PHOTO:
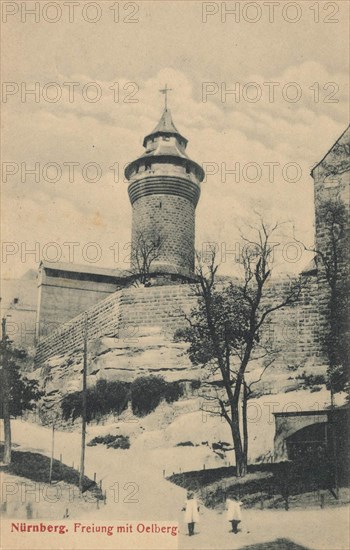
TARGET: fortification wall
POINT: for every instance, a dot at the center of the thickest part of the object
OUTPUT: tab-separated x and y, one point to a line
293	330
161	306
122	314
102	319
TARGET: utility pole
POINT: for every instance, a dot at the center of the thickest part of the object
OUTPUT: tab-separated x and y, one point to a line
83	414
334	458
52	450
6	396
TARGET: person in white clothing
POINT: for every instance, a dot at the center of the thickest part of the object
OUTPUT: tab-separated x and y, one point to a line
191	512
234	514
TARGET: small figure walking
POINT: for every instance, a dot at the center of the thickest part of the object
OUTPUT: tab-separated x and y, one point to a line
191	512
234	515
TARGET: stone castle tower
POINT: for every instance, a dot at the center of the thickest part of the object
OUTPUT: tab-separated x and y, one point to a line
332	237
332	185
164	190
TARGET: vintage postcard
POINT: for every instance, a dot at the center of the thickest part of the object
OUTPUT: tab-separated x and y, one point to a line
175	275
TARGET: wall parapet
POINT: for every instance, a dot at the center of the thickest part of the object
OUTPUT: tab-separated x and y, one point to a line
102	318
126	312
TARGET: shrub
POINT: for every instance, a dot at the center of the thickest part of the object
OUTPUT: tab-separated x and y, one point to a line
71	406
120	442
311	380
173	391
146	394
104	398
148	391
195	384
112	396
106	439
222	446
112	441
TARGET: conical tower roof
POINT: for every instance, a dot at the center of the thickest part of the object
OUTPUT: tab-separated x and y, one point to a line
166	123
165	150
165	127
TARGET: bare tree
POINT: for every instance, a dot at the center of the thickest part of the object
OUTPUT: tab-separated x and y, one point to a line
146	250
226	329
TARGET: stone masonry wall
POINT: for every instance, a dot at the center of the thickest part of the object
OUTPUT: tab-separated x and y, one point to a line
122	314
102	319
126	312
331	185
295	330
155	306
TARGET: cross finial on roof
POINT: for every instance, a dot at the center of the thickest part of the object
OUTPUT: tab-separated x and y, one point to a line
165	91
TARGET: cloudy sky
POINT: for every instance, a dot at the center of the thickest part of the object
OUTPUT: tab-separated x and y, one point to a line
271	133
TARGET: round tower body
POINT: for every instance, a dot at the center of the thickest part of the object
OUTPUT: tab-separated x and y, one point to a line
164	188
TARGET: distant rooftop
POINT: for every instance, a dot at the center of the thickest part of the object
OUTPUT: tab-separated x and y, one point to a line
311	267
344	409
86	269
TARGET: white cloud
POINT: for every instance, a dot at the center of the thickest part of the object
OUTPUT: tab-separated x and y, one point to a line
109	132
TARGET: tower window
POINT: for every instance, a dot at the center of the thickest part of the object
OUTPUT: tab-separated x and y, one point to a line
331	181
15	300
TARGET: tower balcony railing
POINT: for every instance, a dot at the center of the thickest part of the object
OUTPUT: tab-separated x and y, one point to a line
158	169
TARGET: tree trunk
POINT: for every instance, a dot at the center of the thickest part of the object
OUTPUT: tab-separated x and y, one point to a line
245	423
6	399
241	466
7	436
